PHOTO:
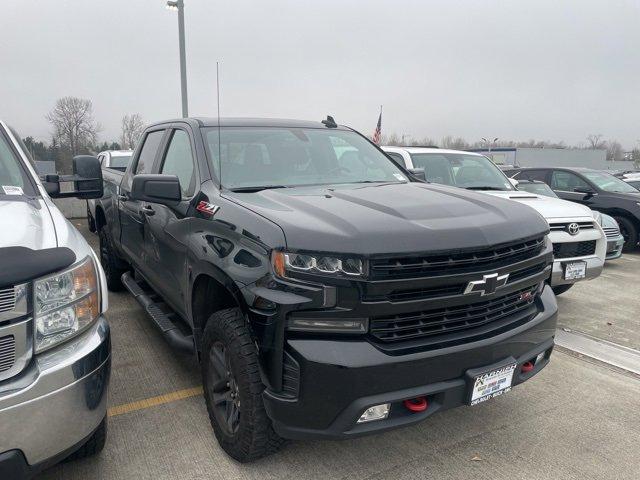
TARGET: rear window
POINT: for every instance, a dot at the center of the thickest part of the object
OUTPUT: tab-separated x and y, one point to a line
120	162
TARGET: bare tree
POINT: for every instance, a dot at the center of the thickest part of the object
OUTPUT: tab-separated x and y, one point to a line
595	141
74	127
457	143
132	127
614	151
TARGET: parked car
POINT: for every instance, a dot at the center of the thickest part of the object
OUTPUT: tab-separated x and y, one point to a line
598	190
578	242
110	160
615	240
326	292
55	350
634	182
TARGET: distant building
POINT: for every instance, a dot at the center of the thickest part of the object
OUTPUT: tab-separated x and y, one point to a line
553	157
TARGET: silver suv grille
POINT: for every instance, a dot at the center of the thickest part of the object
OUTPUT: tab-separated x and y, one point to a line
611	232
7	352
564	226
7	299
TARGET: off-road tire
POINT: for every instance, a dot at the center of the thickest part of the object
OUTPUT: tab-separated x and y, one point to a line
560	289
93	445
630	232
111	264
254	437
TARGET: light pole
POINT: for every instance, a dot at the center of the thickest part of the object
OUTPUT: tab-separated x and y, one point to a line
489	144
179	6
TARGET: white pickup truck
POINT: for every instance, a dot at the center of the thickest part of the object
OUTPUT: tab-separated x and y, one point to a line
55	348
579	243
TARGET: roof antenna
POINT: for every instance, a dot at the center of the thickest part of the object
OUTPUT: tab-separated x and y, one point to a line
219	144
330	122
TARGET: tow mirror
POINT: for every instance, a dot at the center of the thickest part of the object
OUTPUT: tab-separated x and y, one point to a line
153	188
86	178
418	173
514	182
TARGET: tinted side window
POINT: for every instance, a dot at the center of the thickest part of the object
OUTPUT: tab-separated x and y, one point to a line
179	161
566	181
533	175
148	152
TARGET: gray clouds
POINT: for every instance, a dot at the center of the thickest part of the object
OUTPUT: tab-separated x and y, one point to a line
512	69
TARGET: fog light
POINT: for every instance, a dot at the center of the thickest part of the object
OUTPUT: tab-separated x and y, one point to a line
377	412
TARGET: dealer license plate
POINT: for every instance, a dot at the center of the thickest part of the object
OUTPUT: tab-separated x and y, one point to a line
492	384
575	270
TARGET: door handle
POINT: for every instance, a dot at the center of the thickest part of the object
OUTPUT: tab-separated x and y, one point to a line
148	210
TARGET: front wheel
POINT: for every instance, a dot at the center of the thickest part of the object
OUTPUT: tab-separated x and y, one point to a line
233	388
630	233
110	262
560	289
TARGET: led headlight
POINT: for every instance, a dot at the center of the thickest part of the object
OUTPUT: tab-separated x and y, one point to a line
285	262
65	304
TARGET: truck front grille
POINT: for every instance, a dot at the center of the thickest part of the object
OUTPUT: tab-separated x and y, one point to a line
7	352
437	323
7	299
574	249
453	262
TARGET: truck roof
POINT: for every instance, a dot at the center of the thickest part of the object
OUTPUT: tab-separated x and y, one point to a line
253	122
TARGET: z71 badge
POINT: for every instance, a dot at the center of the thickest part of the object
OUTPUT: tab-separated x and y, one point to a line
207	208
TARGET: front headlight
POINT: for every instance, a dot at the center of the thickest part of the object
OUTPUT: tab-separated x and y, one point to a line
285	262
65	304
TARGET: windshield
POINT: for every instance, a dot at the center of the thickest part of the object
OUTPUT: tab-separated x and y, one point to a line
119	161
537	188
609	183
474	172
13	178
254	157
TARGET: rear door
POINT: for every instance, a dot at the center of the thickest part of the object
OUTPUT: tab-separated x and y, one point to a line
167	228
132	218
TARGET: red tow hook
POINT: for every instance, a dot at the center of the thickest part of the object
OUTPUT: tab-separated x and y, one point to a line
526	367
416	404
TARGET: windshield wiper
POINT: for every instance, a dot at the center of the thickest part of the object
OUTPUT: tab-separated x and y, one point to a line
256	188
486	187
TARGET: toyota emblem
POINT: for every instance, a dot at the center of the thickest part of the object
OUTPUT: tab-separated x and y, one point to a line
573	228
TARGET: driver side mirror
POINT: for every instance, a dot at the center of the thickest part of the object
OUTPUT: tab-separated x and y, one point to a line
418	173
155	188
585	190
514	182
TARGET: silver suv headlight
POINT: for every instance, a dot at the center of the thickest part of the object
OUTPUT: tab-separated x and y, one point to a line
65	304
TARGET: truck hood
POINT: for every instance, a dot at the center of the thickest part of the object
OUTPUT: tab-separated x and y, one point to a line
391	218
26	223
548	207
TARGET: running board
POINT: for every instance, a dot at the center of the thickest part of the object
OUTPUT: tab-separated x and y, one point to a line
172	334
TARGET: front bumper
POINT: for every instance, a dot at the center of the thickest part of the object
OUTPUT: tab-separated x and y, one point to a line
594	269
614	247
56	403
339	379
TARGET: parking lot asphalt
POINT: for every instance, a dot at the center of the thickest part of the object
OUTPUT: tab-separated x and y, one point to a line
607	307
574	420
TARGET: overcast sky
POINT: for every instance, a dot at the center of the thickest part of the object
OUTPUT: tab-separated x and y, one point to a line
514	69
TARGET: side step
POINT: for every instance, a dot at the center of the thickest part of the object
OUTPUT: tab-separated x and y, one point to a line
172	334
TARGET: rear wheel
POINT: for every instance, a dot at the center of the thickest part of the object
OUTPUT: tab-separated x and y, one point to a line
110	262
630	233
560	289
233	388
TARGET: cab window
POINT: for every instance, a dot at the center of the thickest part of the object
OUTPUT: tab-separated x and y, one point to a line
148	153
566	181
179	162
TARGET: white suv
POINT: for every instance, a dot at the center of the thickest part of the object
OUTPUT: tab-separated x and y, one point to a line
579	244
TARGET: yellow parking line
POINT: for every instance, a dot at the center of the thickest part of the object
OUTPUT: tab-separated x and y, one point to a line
154	401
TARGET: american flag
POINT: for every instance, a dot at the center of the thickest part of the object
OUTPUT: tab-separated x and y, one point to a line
378	132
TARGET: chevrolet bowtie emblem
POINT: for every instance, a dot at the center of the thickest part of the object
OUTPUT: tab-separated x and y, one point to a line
488	285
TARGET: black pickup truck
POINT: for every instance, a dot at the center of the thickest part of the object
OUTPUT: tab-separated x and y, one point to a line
326	291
